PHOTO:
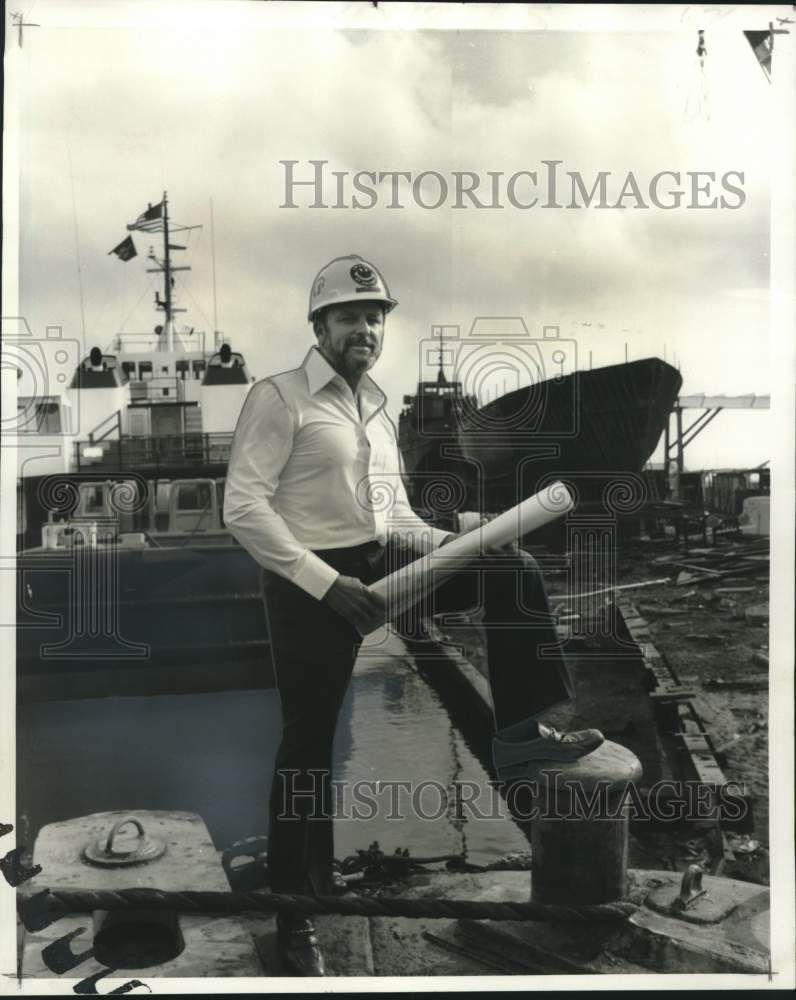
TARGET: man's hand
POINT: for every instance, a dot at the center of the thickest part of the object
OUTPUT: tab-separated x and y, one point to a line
350	598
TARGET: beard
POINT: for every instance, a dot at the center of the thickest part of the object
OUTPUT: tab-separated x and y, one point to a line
347	359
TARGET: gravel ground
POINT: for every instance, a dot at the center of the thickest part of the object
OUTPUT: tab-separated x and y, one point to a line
718	653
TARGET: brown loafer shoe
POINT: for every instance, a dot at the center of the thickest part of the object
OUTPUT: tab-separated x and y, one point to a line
299	950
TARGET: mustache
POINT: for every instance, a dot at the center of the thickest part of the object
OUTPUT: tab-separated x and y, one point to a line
361	342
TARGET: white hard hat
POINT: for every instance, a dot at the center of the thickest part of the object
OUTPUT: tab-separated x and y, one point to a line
348	279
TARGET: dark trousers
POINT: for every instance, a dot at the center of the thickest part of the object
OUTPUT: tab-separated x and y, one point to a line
314	650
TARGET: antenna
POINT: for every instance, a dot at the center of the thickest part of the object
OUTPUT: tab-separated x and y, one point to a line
441	380
213	254
77	245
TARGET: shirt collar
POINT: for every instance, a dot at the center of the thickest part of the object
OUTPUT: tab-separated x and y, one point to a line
320	373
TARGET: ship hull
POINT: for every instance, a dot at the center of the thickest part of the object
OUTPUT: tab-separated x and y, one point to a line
595	430
171	620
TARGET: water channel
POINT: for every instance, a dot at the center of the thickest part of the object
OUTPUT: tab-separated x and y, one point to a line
213	754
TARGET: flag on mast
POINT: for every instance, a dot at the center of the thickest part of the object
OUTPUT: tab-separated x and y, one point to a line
125	250
149	221
762	43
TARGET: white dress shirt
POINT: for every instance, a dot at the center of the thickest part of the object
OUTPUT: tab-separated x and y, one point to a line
308	472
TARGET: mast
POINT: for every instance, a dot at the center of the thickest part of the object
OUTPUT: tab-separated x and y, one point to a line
441	380
167	270
160	223
213	248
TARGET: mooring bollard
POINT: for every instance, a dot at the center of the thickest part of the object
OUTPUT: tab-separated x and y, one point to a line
579	840
115	851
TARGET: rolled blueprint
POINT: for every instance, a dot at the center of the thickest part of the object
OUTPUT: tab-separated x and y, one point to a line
408	585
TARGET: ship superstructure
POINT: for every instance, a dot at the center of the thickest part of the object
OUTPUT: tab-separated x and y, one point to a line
161	404
127	581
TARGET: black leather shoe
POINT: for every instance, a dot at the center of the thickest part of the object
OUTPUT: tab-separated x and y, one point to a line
299	950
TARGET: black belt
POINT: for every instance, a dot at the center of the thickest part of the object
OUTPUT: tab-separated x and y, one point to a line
353	551
356	560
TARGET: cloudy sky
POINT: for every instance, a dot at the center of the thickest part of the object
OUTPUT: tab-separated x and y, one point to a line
119	102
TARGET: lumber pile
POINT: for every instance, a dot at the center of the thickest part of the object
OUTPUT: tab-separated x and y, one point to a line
715	564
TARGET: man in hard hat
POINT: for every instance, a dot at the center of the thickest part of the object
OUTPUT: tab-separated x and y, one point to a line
313	456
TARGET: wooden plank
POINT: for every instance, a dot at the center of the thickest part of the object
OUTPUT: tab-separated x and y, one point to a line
703	759
672	693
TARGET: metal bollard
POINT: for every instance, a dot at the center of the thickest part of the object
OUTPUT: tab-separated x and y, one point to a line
578	850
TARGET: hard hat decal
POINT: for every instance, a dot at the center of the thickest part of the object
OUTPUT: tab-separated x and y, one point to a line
363	275
348	279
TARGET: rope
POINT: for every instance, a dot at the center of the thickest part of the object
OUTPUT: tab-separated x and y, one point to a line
86	900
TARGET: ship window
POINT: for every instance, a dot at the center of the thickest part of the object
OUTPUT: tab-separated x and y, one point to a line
128	367
193	496
182	368
198	369
145	369
48	418
94	499
754	479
